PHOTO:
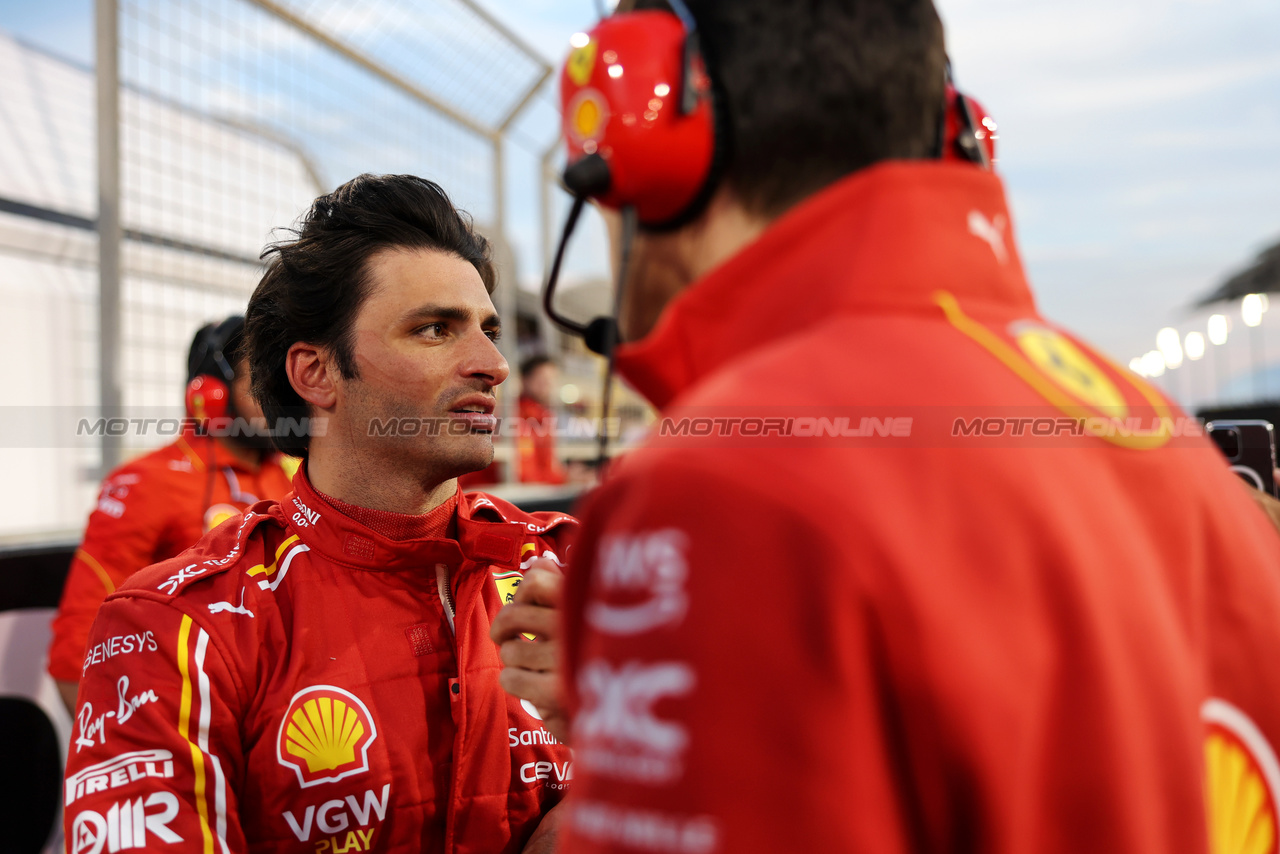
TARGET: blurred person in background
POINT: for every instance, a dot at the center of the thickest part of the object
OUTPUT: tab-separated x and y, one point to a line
880	644
322	677
158	505
537	440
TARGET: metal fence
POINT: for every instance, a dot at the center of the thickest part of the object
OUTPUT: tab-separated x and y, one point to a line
229	116
206	126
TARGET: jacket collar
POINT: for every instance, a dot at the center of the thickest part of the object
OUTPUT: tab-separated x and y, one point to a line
886	238
201	450
490	531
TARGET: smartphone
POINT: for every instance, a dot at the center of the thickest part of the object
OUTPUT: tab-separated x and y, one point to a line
1250	449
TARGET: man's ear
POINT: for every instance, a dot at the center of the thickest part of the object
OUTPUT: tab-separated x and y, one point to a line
308	368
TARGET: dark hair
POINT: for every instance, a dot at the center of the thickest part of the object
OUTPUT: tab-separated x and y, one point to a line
216	349
532	364
315	283
813	90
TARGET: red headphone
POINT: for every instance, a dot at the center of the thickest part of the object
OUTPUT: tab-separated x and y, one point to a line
968	132
639	121
637	114
209	373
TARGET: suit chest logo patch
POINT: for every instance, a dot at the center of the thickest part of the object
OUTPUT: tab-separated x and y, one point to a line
325	735
1242	780
507	582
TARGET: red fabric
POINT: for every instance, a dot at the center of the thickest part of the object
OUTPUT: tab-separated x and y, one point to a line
917	643
149	510
232	640
401	526
537	442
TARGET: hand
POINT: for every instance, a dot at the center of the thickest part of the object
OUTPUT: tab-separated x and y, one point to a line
543	840
530	669
1269	505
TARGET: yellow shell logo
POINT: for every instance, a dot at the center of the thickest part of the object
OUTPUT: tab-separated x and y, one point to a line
1065	364
581	62
586	116
1241	782
325	735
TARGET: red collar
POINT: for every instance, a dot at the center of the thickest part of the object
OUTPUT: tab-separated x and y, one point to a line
489	530
887	237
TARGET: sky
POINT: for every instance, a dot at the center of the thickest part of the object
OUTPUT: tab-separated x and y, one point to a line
1139	140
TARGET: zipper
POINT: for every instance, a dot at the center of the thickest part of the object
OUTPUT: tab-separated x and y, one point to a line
446	595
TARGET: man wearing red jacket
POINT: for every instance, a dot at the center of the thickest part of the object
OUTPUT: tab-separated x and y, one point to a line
317	676
537	441
904	567
154	507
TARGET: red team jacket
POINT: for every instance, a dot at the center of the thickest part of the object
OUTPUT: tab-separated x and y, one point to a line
301	682
936	590
537	444
149	510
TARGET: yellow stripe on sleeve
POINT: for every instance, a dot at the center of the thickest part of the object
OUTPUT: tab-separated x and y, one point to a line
184	729
93	564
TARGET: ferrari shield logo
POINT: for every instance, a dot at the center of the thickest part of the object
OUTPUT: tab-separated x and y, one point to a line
507	583
1068	366
582	61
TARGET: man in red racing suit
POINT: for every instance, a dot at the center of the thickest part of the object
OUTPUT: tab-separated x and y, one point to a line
267	690
317	677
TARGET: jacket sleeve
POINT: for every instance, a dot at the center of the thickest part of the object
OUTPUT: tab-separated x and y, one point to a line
721	674
155	739
121	538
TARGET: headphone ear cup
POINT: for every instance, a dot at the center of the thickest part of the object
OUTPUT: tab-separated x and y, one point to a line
207	397
623	95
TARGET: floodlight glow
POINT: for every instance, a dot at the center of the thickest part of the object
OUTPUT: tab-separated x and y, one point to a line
615	71
1135	365
1169	343
579	40
569	393
1194	345
1153	364
1218	328
1251	309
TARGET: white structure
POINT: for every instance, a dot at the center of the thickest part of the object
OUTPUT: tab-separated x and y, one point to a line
195	221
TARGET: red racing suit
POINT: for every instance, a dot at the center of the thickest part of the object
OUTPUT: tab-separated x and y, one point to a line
149	510
303	681
905	567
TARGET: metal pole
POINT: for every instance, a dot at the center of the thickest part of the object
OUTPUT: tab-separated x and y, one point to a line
110	392
367	63
508	309
546	181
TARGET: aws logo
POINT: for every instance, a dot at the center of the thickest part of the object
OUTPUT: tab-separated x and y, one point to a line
325	735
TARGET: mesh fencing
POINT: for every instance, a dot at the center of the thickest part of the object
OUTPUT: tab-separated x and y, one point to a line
234	115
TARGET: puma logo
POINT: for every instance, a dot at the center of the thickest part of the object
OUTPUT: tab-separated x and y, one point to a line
219	607
990	230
